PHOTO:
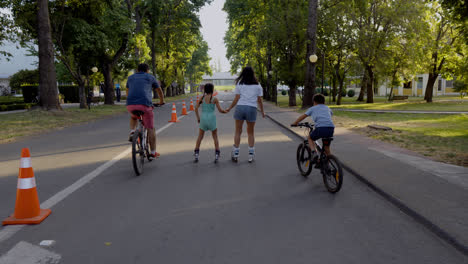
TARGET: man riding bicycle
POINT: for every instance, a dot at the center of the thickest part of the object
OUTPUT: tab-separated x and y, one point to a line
139	98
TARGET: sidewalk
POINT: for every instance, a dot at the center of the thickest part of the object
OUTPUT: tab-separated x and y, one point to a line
434	193
400	111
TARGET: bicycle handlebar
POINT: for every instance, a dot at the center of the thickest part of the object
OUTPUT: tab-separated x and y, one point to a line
306	124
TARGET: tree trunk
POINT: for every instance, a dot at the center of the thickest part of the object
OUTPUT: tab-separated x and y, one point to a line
47	77
370	84
363	87
311	36
391	86
340	91
82	94
430	87
292	94
108	87
267	96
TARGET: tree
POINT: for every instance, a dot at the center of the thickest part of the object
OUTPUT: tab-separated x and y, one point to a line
309	86
442	42
460	87
6	28
47	77
198	64
376	23
22	77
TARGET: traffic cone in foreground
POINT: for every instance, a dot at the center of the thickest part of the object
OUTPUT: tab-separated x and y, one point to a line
197	99
191	105
174	114
184	109
27	209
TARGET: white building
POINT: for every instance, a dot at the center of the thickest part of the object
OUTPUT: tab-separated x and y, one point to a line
5	88
416	87
220	79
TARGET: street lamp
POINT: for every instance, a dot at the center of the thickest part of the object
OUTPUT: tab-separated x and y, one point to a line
94	69
313	58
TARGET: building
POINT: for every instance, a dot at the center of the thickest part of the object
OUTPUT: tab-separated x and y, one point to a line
415	87
5	88
220	79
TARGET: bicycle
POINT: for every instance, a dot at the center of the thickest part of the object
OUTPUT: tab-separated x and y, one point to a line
140	143
329	165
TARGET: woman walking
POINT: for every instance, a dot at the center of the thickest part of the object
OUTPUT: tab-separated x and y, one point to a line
248	96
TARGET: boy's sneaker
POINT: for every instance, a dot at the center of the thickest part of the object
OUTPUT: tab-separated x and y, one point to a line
153	156
196	154
217	153
251	154
235	154
130	136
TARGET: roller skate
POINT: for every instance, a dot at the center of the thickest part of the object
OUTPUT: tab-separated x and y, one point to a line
196	154
251	154
235	154
217	153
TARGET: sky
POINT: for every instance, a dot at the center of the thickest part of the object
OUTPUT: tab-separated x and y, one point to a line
214	27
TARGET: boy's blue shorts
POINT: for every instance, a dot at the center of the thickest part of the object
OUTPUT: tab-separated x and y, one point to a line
322	132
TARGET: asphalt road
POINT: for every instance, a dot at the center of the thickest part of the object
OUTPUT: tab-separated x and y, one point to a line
182	212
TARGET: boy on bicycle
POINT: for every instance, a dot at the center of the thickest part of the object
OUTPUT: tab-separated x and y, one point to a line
322	116
140	85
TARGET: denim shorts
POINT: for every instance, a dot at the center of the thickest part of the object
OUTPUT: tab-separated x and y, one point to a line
322	132
245	112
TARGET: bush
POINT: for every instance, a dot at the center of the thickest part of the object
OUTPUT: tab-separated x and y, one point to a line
351	93
283	92
71	93
23	76
343	93
30	92
12	107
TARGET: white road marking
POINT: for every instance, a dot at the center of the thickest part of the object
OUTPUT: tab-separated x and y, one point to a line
26	253
9	231
47	243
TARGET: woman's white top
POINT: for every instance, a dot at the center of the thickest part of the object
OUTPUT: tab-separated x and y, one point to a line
249	94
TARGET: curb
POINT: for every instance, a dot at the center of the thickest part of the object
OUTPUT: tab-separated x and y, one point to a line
442	234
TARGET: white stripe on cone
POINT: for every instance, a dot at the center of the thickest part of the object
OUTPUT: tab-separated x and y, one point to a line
26	183
25	163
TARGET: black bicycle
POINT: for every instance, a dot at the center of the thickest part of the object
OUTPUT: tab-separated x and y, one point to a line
140	143
329	165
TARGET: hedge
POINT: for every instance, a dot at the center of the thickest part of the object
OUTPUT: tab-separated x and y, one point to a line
70	92
12	107
351	93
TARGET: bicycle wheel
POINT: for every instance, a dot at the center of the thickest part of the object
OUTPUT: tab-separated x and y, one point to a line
332	174
304	157
138	155
147	150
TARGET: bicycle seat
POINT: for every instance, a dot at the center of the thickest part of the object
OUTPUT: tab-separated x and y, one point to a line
327	141
138	113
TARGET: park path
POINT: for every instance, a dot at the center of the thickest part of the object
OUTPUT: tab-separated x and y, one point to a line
182	212
401	111
434	193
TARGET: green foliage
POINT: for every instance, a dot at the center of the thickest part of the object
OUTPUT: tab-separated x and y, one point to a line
460	87
22	77
70	93
351	93
12	107
29	92
283	92
199	63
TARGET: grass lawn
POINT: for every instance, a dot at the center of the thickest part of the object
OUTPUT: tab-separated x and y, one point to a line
32	122
439	137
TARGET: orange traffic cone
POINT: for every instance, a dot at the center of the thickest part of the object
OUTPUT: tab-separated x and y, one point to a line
174	114
191	105
27	209
184	109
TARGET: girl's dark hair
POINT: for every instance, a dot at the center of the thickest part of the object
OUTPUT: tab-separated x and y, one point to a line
247	76
209	88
